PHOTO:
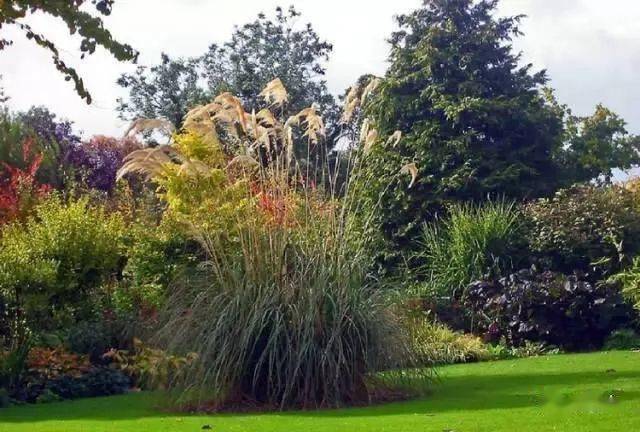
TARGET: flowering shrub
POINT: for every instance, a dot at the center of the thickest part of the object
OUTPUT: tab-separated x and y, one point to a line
51	138
48	129
97	161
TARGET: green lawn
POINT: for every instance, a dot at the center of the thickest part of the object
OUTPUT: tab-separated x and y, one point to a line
559	393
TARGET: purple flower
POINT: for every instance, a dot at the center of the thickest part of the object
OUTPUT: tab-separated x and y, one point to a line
97	161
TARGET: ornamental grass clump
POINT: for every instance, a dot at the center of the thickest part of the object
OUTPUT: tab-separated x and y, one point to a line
283	312
472	241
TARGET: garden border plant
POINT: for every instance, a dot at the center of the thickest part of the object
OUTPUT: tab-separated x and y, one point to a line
284	312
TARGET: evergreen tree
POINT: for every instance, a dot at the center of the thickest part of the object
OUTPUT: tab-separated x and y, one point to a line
474	120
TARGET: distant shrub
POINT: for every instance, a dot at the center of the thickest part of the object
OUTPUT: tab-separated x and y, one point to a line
55	374
20	191
99	381
590	228
436	344
95	338
565	311
625	339
96	162
49	137
501	351
13	366
471	241
150	368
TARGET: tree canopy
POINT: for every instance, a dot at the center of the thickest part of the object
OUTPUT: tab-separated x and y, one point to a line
256	53
90	28
475	120
167	90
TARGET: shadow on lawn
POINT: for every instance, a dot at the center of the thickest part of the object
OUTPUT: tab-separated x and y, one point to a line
458	393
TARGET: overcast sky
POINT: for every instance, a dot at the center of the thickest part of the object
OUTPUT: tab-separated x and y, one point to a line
591	49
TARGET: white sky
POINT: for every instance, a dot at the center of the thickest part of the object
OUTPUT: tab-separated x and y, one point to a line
591	49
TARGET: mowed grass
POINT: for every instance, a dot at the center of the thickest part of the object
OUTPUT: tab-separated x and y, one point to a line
587	392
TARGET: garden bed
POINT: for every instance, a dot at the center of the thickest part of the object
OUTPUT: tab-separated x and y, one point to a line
586	392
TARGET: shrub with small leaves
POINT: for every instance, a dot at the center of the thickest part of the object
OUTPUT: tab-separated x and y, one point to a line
630	281
53	265
55	374
155	258
148	367
594	229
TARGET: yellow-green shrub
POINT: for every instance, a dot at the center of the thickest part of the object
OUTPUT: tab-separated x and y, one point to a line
436	344
52	265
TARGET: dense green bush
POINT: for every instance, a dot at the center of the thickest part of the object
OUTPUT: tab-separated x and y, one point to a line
473	121
52	266
100	381
95	338
625	339
560	310
472	241
590	228
155	258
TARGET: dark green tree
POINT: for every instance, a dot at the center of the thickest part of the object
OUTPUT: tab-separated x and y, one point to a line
269	48
474	120
167	90
255	54
89	27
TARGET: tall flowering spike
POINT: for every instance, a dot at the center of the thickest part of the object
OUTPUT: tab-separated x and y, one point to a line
351	103
370	88
395	138
275	93
370	140
148	125
232	113
412	170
